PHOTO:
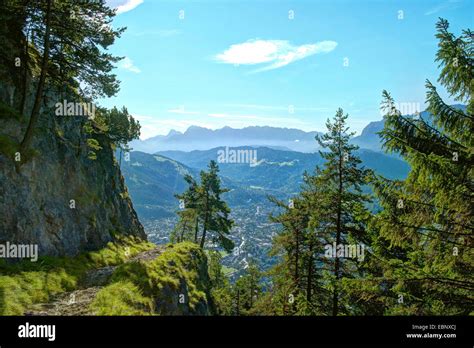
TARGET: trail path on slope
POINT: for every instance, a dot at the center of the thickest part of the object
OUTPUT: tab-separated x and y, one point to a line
77	302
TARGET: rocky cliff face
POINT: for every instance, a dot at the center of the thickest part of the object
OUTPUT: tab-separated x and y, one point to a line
59	199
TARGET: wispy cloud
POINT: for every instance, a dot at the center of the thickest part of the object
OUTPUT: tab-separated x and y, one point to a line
275	53
182	111
450	4
254	118
123	6
280	107
127	64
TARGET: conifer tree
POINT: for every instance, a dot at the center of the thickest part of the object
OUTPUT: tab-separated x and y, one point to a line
211	212
424	249
342	215
330	210
247	290
221	287
70	39
185	228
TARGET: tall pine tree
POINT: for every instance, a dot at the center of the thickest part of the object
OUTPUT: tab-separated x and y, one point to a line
422	258
330	212
203	201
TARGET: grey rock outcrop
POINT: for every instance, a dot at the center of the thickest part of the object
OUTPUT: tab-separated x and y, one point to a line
59	199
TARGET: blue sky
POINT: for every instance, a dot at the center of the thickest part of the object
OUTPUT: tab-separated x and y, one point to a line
238	63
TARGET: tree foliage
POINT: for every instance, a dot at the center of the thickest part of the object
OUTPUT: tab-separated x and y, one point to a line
210	212
426	223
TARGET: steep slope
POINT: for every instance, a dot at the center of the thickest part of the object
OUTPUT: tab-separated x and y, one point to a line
369	138
56	196
153	180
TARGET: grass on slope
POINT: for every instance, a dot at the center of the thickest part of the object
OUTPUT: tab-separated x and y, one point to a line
150	288
25	283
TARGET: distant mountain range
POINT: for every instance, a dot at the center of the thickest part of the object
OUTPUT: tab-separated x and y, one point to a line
281	170
153	179
199	138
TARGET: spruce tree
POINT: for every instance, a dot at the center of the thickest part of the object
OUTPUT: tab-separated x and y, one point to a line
342	216
212	214
247	290
289	245
330	210
424	248
186	226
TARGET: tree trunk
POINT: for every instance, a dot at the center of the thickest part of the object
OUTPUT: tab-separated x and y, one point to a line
39	92
206	217
196	230
204	230
310	273
297	258
335	299
25	76
182	231
238	302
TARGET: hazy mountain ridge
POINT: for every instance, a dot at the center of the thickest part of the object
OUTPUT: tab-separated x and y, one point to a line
282	170
199	138
153	180
290	139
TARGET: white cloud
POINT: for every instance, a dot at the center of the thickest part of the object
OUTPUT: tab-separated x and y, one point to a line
127	64
277	53
281	108
236	118
450	4
182	111
123	5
